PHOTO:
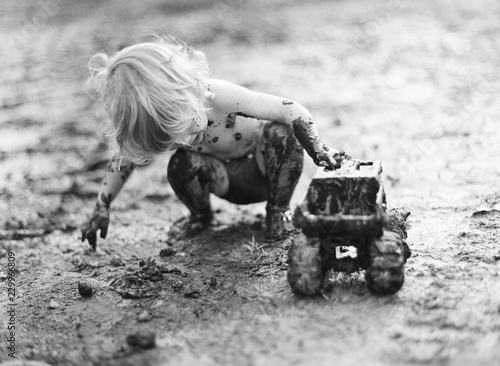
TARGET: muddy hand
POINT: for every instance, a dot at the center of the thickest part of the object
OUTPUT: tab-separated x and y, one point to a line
330	159
98	221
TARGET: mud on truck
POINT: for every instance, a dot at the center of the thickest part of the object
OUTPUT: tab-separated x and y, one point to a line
345	210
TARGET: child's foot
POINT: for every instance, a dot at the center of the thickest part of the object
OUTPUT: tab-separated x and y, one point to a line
277	223
198	223
188	227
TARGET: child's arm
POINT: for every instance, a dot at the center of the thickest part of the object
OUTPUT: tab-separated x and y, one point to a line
232	98
116	176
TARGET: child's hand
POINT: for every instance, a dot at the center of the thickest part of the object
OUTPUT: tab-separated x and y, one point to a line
98	221
329	158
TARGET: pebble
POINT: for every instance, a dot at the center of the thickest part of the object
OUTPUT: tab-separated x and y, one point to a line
116	262
192	291
167	252
145	317
142	339
211	282
84	289
53	305
177	285
198	310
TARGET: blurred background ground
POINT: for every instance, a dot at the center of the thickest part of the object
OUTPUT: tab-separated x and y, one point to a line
412	83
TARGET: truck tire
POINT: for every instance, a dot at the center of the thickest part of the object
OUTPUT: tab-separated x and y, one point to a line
305	274
385	274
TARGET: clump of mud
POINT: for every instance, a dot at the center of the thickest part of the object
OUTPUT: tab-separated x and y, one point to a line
142	282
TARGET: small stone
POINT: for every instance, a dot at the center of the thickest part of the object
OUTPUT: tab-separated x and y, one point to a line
197	310
84	289
142	339
177	285
192	291
53	305
145	317
167	252
116	262
211	282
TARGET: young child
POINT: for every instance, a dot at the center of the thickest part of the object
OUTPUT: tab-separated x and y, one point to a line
240	145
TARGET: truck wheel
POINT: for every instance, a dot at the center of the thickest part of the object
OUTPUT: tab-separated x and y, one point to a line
385	274
305	274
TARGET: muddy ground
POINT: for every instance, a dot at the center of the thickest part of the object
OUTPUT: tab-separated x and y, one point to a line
412	83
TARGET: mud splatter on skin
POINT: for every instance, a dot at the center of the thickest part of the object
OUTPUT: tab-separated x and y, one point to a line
287	102
98	221
284	162
106	199
190	179
308	135
183	172
127	171
100	217
231	118
210	123
116	164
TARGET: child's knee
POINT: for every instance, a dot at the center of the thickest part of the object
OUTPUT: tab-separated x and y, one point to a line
188	171
280	134
276	129
181	166
281	139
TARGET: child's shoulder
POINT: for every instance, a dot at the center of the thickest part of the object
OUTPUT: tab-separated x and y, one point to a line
226	94
218	86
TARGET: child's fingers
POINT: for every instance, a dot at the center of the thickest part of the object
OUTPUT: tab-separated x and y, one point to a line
104	231
85	229
338	155
92	238
327	160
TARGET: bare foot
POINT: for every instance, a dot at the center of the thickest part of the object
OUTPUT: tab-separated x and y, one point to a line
198	223
188	227
278	223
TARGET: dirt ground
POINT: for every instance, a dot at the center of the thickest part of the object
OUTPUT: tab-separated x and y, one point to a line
412	83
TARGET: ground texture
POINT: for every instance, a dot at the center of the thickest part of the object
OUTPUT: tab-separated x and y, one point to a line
412	83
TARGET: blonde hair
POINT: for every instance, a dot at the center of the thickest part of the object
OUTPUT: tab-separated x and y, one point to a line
152	91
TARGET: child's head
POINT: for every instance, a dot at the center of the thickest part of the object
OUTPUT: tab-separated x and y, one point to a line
153	92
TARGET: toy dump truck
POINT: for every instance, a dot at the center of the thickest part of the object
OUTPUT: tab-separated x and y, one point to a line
344	210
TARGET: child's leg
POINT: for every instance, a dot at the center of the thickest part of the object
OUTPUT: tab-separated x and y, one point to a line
193	177
283	161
